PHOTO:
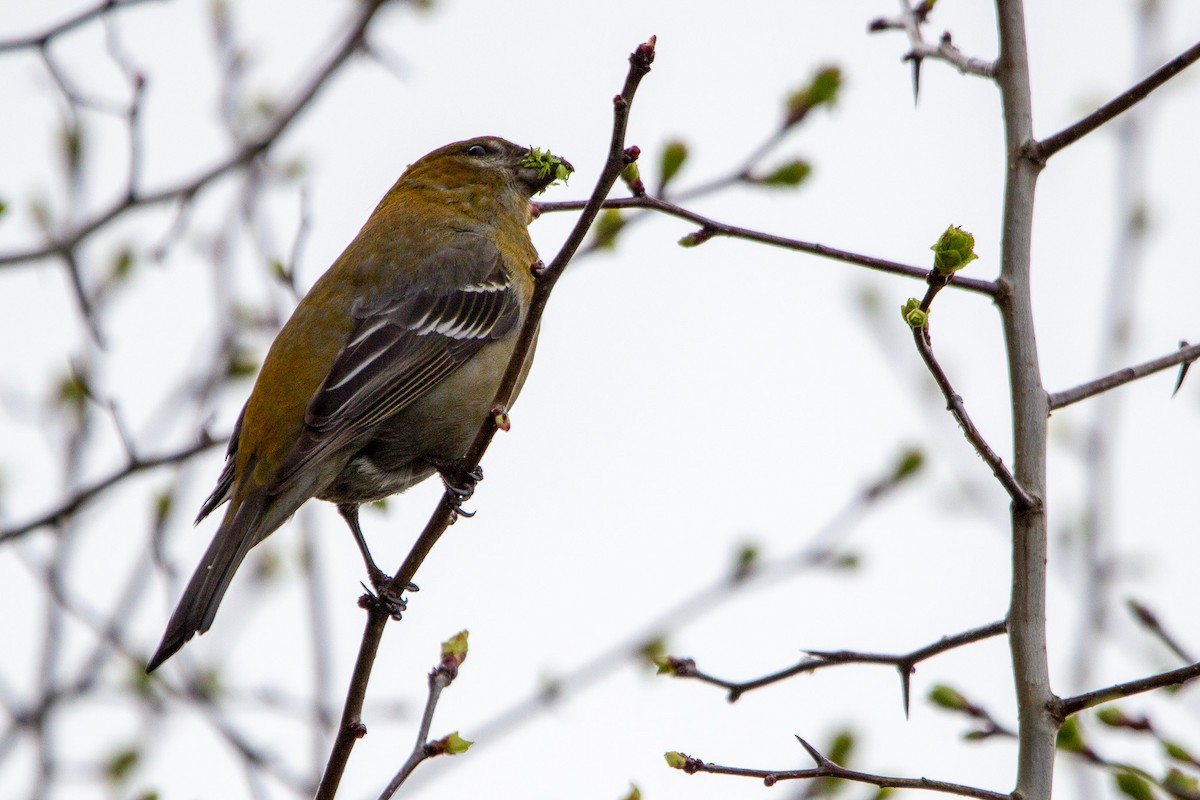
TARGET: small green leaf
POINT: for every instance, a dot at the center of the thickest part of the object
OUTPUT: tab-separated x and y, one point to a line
546	163
1178	753
840	747
634	793
746	560
673	157
1179	784
821	90
954	249
1133	785
792	173
1070	737
118	767
910	462
1112	716
122	264
606	228
948	698
675	759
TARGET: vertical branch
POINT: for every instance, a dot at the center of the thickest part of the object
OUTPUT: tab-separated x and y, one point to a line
1027	612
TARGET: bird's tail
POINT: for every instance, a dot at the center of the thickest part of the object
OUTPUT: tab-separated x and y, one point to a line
245	525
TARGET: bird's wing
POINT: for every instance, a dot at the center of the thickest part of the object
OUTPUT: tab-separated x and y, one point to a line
403	345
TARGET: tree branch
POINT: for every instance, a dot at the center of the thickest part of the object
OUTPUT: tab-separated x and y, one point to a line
1042	150
827	769
906	663
86	494
1184	355
446	511
1065	707
710	227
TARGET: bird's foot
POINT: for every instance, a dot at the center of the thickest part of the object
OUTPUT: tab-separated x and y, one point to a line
460	482
387	596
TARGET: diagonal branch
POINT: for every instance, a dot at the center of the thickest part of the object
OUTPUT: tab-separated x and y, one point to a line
186	190
1067	706
710	227
1184	355
352	728
87	493
954	402
40	40
1042	150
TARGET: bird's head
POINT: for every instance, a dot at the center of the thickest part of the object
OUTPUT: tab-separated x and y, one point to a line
490	161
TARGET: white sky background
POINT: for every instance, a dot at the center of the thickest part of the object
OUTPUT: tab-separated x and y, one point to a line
682	401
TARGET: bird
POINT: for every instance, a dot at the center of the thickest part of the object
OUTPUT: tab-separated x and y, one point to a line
388	366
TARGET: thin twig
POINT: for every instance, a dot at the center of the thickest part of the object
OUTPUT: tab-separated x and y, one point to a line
439	679
1150	621
87	493
954	403
352	727
243	155
906	663
40	40
1067	706
828	769
710	227
1122	376
1042	150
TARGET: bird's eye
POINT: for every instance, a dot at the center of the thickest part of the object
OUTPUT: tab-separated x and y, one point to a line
477	150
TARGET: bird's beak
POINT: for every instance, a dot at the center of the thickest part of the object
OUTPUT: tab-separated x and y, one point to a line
545	172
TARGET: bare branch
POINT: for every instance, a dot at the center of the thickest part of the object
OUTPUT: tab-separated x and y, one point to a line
81	497
1184	355
1041	151
82	18
1067	706
827	769
351	42
906	663
710	227
954	403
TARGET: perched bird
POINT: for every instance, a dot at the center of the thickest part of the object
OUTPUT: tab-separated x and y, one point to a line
388	366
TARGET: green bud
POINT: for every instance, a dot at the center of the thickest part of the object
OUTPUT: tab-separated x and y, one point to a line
455	648
653	649
913	315
953	250
634	793
675	759
455	744
632	176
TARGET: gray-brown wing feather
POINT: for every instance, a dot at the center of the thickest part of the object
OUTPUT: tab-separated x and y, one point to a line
399	348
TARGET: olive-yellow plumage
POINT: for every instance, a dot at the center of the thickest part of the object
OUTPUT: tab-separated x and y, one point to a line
388	366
